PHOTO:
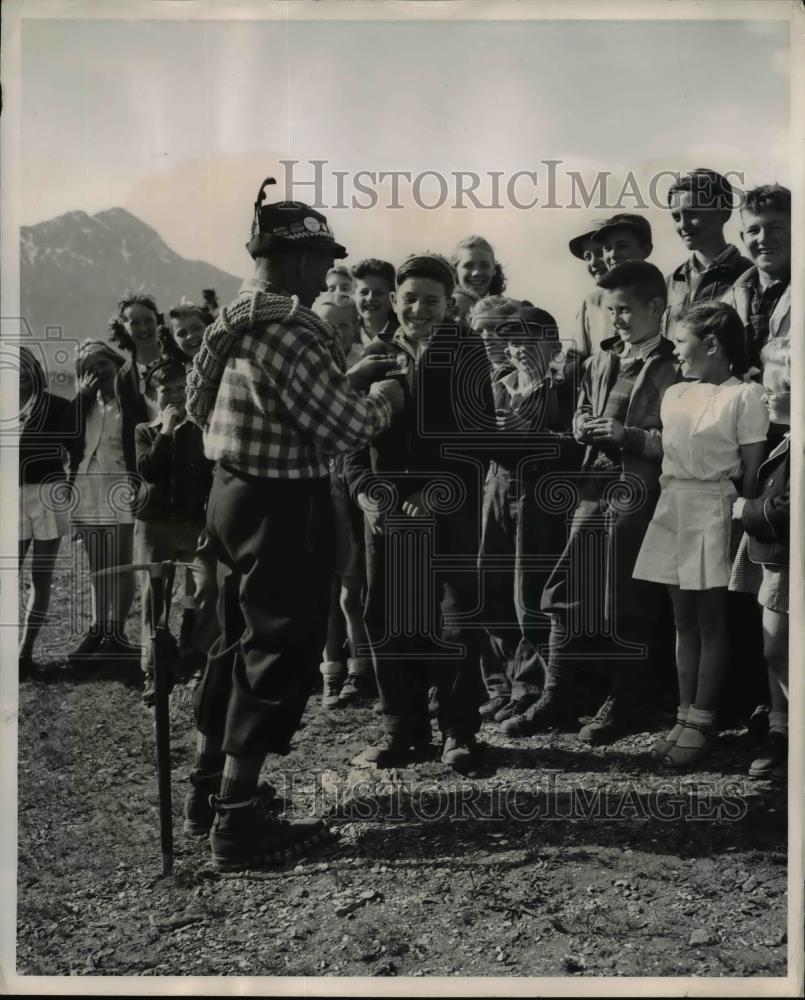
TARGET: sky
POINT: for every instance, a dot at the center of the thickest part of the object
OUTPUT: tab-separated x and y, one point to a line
179	121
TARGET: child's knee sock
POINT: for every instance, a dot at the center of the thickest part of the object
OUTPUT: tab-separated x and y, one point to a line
239	783
691	737
778	723
557	673
359	666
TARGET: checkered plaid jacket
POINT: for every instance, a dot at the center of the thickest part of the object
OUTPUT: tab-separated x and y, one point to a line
284	404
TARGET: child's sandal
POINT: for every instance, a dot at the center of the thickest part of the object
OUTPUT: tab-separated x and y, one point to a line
680	758
661	748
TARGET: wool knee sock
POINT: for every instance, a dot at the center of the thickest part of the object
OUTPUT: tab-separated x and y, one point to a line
359	666
691	738
778	723
556	673
239	783
209	757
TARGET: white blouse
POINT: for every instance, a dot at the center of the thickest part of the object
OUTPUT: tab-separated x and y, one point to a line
704	425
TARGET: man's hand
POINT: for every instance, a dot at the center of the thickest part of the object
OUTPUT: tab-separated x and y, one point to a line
391	390
375	518
368	370
738	508
414	506
604	430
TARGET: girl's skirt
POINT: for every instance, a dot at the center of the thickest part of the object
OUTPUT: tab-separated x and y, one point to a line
768	583
688	542
44	510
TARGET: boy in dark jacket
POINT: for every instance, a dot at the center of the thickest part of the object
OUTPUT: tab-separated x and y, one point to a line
591	592
428	465
176	480
534	406
762	563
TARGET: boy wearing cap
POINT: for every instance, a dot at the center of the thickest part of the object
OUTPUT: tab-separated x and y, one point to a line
591	591
762	294
610	242
269	389
403	473
701	205
623	237
592	322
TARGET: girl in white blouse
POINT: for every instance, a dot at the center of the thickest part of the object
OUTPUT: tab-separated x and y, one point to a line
713	434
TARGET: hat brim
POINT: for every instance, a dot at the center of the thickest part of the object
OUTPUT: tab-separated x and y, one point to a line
577	243
260	244
600	234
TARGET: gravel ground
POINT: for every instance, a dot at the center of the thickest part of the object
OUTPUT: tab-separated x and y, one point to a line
554	860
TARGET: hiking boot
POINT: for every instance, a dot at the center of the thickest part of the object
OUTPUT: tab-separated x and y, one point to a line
606	726
396	750
459	753
245	836
513	708
88	646
332	673
199	811
489	708
774	754
550	712
359	683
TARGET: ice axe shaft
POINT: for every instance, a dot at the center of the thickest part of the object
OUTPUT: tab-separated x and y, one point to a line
161	575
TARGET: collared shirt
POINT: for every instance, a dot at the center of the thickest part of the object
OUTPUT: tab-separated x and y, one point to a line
641	350
366	336
693	282
762	304
284	403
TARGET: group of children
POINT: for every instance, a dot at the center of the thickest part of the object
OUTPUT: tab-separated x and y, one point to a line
534	506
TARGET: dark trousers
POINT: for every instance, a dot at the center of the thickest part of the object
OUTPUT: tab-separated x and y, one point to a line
603	615
510	664
410	616
273	539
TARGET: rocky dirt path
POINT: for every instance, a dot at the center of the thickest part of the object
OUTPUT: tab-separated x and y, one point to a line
554	861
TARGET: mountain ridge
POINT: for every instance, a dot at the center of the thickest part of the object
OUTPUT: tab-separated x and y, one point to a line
75	267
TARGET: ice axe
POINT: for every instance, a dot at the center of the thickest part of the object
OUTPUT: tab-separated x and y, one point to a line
161	575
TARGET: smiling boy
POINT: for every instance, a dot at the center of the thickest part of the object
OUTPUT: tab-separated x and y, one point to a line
701	204
611	242
445	399
762	294
371	293
617	419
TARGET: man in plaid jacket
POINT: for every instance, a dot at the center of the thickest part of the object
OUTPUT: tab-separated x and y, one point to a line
269	388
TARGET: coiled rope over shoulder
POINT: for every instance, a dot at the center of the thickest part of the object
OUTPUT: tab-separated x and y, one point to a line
250	309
